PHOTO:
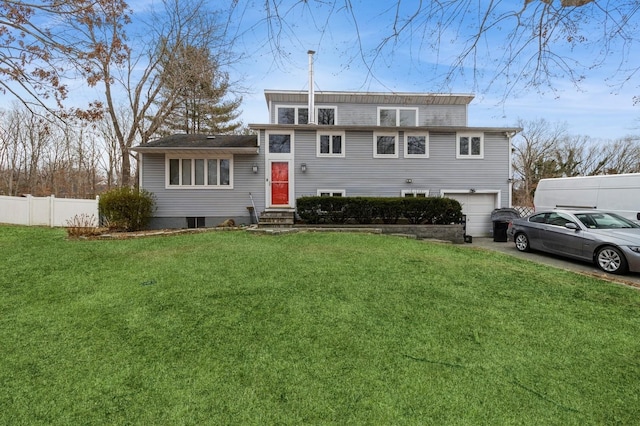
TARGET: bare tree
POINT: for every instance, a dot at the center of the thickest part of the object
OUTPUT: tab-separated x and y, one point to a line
36	48
529	43
578	155
622	156
41	156
535	151
139	77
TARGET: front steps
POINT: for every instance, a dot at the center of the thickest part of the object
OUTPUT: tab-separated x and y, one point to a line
277	219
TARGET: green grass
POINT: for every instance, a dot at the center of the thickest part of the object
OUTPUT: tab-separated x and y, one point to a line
236	328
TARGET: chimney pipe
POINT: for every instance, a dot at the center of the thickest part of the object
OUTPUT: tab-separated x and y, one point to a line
312	114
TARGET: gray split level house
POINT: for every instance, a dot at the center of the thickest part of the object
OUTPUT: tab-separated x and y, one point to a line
352	144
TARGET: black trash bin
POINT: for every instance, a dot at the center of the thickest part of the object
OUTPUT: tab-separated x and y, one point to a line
501	219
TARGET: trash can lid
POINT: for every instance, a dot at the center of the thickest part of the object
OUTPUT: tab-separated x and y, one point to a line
504	214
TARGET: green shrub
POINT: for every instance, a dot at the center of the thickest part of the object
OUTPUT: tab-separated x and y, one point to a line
389	210
310	209
126	208
365	210
361	209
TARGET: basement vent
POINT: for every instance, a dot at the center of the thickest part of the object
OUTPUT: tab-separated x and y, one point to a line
195	222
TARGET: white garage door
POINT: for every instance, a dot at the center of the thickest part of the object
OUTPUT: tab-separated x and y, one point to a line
477	208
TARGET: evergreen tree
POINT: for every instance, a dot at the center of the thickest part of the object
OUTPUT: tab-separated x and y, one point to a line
201	94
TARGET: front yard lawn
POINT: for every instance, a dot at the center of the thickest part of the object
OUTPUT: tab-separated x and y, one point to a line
236	328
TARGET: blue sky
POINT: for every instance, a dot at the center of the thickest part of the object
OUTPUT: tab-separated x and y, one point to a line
597	108
346	39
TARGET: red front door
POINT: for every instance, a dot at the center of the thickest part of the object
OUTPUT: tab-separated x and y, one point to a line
280	183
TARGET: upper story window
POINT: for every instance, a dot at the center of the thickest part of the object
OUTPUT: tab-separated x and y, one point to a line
300	115
402	117
470	145
200	172
385	145
326	116
292	115
416	145
330	144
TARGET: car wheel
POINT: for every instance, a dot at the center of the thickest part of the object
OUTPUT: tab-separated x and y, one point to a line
522	242
611	260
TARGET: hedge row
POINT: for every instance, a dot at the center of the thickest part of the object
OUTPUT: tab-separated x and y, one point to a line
365	210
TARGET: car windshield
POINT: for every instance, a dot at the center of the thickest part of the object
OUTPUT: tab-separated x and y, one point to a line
605	221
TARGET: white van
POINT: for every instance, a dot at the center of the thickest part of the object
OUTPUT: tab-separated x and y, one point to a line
613	193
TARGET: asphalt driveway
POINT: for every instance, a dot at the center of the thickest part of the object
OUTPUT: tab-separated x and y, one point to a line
631	279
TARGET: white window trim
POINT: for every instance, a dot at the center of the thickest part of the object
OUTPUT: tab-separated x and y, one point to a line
404	192
375	144
296	108
335	114
426	145
330	134
342	192
168	185
397	108
469	156
278	155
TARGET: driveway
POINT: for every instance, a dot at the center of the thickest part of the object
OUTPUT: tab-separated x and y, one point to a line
631	279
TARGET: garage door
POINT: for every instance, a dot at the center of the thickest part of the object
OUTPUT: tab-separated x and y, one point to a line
477	208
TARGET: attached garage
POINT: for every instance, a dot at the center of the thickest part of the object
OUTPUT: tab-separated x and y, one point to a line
477	206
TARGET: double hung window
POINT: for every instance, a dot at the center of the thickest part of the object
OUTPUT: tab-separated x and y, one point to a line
330	144
470	145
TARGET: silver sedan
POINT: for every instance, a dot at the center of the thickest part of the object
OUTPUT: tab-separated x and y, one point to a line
607	239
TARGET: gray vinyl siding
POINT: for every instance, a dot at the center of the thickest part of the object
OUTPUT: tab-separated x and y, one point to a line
215	204
360	174
351	114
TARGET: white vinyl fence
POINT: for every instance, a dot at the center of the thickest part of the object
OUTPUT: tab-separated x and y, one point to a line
46	211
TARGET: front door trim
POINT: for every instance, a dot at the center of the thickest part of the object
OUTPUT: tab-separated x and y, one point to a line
275	158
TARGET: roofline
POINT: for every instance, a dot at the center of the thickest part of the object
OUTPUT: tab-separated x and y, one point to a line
183	149
446	129
335	92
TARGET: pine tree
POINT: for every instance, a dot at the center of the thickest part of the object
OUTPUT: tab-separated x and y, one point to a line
201	95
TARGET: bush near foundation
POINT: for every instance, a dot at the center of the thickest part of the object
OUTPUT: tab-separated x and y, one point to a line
387	210
126	209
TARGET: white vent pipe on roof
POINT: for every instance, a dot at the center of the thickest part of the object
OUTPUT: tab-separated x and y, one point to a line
311	114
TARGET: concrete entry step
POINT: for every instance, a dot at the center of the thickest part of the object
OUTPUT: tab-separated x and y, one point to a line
277	219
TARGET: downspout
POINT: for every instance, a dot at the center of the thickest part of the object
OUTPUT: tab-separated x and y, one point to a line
509	136
311	113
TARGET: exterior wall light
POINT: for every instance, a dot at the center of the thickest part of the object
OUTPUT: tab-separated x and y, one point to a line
303	167
254	168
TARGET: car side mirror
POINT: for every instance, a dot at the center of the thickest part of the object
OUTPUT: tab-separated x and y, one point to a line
638	216
571	225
